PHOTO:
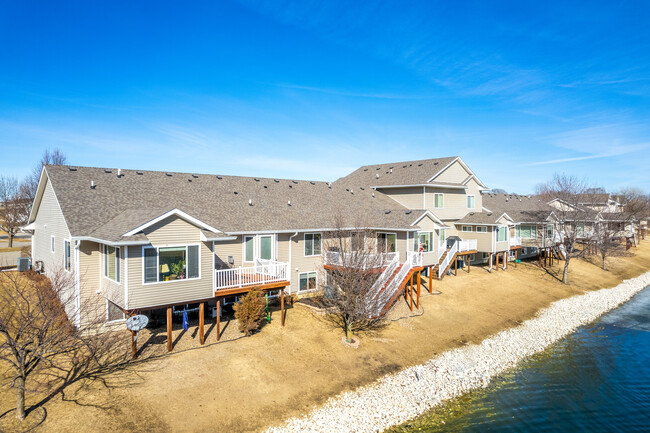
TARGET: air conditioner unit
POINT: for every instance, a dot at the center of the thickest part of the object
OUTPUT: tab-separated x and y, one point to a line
24	264
39	266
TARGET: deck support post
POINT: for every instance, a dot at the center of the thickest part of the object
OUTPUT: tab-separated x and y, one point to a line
469	264
456	266
411	292
218	318
429	280
497	257
539	265
417	304
201	323
282	305
516	257
505	260
169	329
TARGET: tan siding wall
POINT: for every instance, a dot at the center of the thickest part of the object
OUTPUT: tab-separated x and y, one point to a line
408	197
474	189
141	296
113	290
454	173
300	263
483	240
502	246
454	203
172	231
49	214
229	248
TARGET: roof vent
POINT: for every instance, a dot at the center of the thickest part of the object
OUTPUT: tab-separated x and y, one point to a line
408	212
250	202
195	176
219	177
139	172
391	169
435	163
168	174
72	168
108	170
295	181
377	168
365	169
256	180
189	180
489	213
387	212
361	188
403	166
373	194
420	165
265	186
377	175
289	203
276	180
92	184
329	185
236	193
290	186
313	183
119	172
347	189
471	213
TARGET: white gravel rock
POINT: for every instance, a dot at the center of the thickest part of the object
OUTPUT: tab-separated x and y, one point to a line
398	397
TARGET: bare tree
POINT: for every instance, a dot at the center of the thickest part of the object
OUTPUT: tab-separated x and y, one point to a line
573	224
607	239
43	349
30	184
14	207
353	263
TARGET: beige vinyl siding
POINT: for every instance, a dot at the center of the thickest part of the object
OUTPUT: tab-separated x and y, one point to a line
301	264
172	231
50	221
111	289
454	173
502	246
93	304
474	189
483	240
178	291
229	248
454	203
407	197
283	247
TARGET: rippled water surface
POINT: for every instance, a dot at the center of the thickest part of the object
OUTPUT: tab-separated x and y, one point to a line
595	380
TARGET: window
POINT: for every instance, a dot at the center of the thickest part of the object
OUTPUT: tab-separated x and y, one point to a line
442	234
438	200
549	231
423	242
112	263
171	263
266	247
386	242
481	229
312	244
52	243
527	232
113	312
357	240
467	228
501	234
66	258
249	250
307	281
471	200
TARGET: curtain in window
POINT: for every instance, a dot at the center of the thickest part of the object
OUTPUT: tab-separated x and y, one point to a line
150	265
193	261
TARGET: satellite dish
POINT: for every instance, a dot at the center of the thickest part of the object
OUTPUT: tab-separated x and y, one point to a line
137	322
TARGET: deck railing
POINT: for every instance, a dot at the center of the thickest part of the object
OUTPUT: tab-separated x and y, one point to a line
360	259
515	241
264	272
467	245
452	252
442	247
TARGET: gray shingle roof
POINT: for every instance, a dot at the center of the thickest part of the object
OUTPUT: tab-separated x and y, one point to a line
396	173
520	208
117	205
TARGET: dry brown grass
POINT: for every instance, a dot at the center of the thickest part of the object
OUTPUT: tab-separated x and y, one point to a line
245	384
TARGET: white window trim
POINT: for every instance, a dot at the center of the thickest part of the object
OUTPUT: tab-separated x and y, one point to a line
243	240
117	263
474	201
123	319
67	264
431	239
442	195
307	290
52	243
304	240
386	233
144	247
273	246
496	233
471	229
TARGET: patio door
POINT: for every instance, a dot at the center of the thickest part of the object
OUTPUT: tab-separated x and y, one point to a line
266	251
386	242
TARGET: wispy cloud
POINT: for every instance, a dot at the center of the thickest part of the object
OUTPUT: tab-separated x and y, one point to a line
352	94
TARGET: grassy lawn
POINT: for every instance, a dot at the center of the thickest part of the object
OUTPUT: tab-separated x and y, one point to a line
248	383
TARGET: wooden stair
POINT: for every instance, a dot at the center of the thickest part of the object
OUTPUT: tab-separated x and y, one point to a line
399	292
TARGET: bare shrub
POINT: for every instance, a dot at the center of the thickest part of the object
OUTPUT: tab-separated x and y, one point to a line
250	311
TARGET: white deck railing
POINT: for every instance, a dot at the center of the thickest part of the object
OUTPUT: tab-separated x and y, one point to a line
467	245
360	259
413	259
264	272
450	254
442	247
515	241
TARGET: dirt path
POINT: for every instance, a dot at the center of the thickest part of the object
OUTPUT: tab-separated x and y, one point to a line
250	383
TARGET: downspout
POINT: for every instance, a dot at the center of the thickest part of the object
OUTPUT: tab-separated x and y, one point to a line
77	283
125	276
490	268
290	261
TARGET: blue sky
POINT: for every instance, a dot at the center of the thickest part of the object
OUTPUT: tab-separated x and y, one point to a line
314	89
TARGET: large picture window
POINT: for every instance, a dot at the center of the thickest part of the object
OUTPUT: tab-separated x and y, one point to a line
307	281
527	232
423	241
112	263
312	244
266	247
502	233
171	263
386	242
